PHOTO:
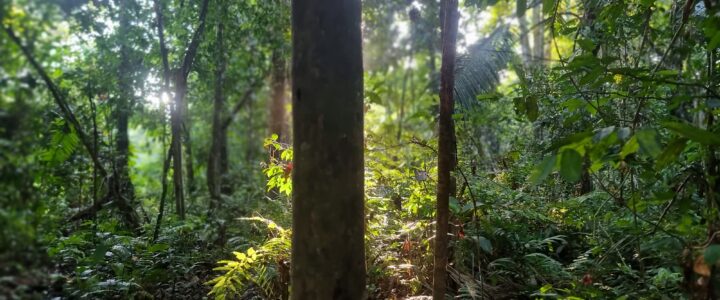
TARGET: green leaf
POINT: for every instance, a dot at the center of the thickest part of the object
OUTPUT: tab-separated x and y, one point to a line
586	44
373	97
531	108
571	165
521	7
630	147
693	133
591	76
603	133
714	42
485	244
158	248
548	6
647	138
671	152
62	144
712	254
543	169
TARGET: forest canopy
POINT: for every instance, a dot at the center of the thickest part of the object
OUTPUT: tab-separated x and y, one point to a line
347	149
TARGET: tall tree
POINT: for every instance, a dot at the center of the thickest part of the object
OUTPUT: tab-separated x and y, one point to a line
446	146
217	159
178	127
123	110
328	199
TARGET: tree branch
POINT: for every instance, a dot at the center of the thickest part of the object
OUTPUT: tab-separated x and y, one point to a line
60	100
246	97
195	41
163	47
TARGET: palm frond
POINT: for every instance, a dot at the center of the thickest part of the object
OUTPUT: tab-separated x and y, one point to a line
477	71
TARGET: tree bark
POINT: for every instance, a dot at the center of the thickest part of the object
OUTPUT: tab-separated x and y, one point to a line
328	191
446	147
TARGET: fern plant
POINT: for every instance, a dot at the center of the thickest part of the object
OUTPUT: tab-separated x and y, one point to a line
266	267
63	142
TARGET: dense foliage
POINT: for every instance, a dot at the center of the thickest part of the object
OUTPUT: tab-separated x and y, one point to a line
587	149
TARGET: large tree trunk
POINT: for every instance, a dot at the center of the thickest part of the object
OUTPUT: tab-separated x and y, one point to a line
216	168
328	209
278	121
446	147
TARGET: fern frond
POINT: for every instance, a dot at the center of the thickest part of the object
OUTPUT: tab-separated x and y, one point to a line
477	71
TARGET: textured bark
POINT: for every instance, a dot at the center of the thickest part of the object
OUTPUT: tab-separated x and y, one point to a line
446	148
328	198
216	168
277	122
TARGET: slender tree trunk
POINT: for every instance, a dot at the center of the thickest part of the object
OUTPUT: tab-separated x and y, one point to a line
250	144
187	141
165	89
524	40
278	121
176	145
125	192
328	251
219	134
179	129
538	35
446	147
401	115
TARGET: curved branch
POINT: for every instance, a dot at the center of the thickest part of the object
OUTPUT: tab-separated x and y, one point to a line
60	100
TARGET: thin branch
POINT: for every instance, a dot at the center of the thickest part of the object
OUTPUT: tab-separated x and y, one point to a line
195	41
163	48
60	100
238	105
163	195
686	12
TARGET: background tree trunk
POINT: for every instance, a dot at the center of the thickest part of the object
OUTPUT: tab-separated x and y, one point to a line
277	120
180	129
524	39
216	165
538	35
328	190
176	144
446	148
124	190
